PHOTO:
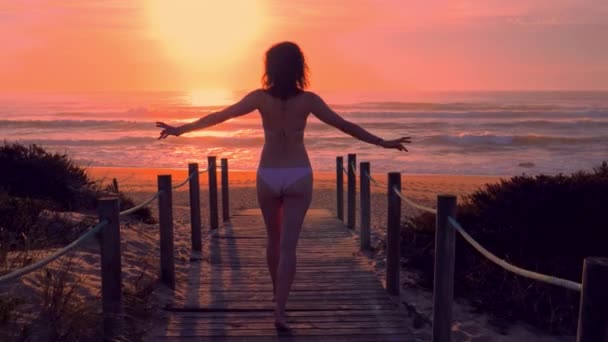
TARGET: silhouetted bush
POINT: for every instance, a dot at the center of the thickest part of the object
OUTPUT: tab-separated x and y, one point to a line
30	171
547	224
33	180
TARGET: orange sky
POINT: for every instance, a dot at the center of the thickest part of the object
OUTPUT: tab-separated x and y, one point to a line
351	45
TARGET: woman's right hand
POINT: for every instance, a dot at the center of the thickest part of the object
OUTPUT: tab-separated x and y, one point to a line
396	143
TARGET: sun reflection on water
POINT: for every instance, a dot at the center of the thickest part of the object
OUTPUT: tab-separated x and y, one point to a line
209	97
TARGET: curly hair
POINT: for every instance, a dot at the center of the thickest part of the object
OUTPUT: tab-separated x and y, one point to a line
286	72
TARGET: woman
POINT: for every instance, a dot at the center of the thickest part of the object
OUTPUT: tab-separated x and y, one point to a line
284	175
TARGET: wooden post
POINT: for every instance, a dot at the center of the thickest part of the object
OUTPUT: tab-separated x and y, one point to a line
165	218
111	273
393	235
340	187
443	288
364	233
352	191
593	313
211	170
115	185
225	198
195	207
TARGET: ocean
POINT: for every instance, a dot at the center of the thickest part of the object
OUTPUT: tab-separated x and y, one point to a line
465	133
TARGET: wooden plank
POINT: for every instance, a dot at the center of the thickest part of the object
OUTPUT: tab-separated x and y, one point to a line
311	297
252	284
311	213
267	324
290	306
295	287
292	314
312	292
247	319
303	278
292	338
273	332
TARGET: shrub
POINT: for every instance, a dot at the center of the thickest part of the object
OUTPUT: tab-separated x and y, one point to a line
30	171
33	173
547	224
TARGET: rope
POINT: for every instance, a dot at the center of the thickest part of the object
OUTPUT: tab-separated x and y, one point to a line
352	167
184	182
201	172
131	210
373	180
511	268
23	271
413	204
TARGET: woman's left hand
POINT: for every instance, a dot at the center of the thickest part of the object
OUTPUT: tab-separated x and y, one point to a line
167	130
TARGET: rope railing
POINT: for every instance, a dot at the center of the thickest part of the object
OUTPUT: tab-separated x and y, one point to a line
184	182
377	183
405	199
414	204
141	205
512	268
41	263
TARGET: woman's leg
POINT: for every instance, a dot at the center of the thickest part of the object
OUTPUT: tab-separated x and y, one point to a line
296	201
270	204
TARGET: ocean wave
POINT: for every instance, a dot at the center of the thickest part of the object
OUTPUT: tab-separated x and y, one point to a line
476	114
451	106
228	141
471	139
59	124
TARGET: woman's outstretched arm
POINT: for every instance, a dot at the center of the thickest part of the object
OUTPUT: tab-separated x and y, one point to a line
322	111
247	105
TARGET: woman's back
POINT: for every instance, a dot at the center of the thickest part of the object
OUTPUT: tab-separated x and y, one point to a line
284	122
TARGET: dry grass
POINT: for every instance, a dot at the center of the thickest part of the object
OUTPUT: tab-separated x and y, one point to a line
64	310
137	300
67	314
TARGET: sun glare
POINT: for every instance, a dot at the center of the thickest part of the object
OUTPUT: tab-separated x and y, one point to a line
205	32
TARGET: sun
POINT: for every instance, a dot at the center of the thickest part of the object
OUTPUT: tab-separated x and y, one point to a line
205	32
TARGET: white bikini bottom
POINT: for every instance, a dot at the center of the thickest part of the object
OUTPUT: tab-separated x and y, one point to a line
278	179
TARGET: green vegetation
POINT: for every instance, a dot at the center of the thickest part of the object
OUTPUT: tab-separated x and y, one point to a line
547	224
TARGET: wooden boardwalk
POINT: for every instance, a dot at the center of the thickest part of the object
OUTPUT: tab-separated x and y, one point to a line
335	295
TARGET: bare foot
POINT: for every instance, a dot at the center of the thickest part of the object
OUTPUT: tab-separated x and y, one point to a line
280	322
